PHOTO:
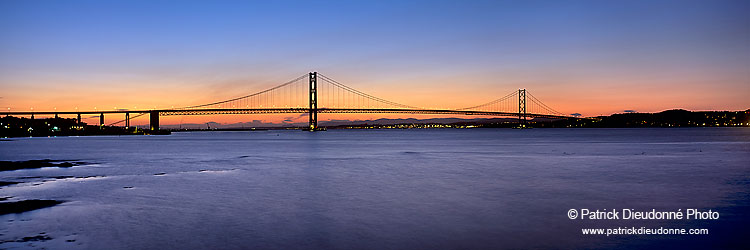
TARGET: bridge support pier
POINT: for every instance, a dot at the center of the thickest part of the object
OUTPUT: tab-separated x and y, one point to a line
56	116
127	120
101	119
313	101
79	118
154	120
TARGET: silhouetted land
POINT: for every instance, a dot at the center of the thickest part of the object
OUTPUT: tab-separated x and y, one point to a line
669	118
24	127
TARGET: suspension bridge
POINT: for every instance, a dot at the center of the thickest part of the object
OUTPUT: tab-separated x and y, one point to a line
314	93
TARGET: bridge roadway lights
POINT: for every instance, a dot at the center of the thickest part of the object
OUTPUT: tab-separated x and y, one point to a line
154	120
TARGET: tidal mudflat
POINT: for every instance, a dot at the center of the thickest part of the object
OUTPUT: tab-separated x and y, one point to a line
370	189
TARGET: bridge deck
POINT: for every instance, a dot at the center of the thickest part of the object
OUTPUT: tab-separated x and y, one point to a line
170	112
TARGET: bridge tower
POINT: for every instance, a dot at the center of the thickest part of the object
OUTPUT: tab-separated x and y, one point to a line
154	120
522	108
313	101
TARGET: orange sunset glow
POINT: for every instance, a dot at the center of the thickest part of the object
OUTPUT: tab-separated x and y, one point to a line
590	65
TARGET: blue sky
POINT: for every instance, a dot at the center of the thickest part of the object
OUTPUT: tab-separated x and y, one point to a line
614	53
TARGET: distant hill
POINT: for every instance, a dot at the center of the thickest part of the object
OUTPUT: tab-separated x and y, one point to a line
668	118
677	118
332	123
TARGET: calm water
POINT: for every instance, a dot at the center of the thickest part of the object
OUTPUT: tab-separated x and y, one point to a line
377	189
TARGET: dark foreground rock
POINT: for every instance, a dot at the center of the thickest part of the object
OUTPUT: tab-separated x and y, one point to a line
7	183
25	206
16	165
40	237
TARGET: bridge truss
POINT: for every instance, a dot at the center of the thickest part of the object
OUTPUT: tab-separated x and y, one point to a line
314	93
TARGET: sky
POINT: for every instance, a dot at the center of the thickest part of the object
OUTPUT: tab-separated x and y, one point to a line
587	57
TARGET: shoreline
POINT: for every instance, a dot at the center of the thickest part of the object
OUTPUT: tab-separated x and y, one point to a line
170	131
